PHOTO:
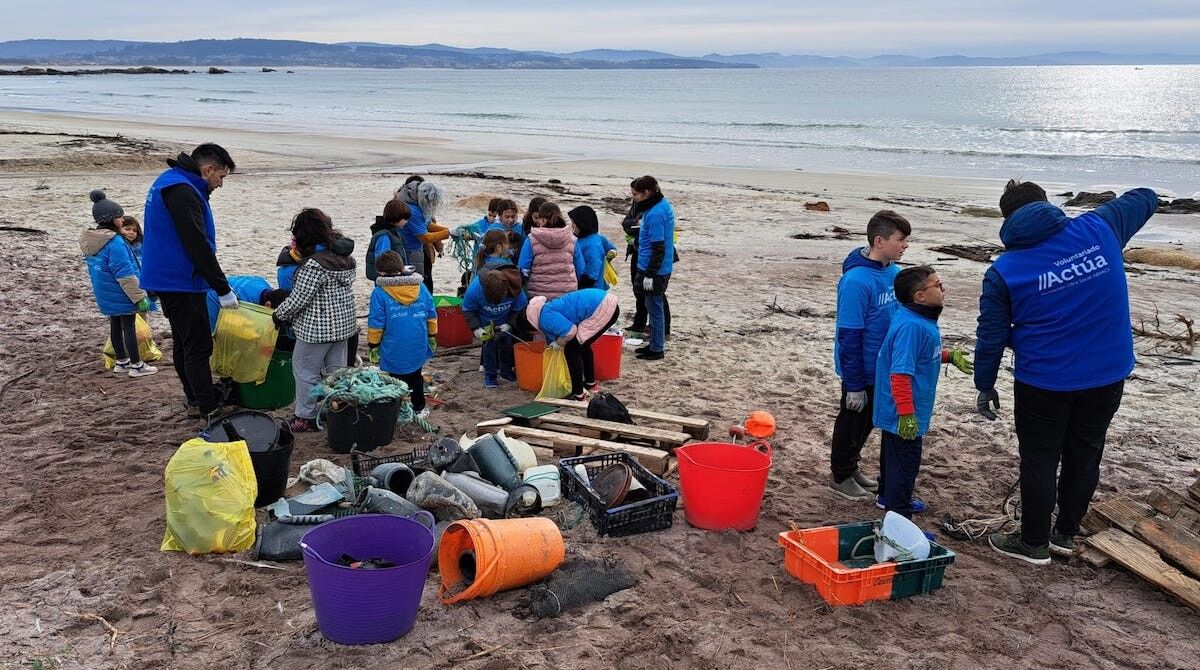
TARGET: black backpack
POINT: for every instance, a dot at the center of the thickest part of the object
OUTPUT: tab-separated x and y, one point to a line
606	407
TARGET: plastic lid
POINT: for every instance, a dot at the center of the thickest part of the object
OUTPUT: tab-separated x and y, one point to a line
446	301
259	430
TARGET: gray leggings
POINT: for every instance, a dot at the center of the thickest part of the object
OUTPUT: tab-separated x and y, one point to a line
308	362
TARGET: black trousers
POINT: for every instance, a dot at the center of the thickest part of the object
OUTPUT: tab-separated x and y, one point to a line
192	347
640	315
1067	429
903	463
122	330
850	432
427	268
352	349
416	386
580	361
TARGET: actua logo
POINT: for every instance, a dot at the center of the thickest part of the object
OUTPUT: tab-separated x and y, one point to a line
1072	272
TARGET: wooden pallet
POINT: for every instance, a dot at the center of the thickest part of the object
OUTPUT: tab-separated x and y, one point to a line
1144	561
567	444
698	428
563	422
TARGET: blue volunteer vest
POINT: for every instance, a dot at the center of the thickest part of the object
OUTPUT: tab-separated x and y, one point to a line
1070	308
166	267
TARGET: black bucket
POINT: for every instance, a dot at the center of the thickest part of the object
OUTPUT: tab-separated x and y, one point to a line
362	428
270	445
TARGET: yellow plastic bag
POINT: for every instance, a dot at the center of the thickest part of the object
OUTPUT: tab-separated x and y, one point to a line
210	498
147	350
610	273
556	378
243	343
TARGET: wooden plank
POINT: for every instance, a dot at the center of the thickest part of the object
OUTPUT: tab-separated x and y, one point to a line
1188	519
1174	543
666	438
1123	512
1194	490
1145	562
1169	502
697	428
1091	555
655	460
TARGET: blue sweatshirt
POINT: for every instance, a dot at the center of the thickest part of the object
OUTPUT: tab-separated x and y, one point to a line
913	347
569	310
658	225
413	230
1058	296
479	312
866	300
594	251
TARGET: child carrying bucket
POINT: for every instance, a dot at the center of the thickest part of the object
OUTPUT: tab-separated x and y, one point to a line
492	306
114	272
573	322
402	326
906	380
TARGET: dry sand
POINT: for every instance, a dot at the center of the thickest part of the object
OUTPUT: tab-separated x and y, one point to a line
85	450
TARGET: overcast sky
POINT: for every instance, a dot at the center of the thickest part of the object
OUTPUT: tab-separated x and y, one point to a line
685	27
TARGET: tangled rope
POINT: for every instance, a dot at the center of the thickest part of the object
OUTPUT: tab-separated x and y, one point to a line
461	250
973	529
360	387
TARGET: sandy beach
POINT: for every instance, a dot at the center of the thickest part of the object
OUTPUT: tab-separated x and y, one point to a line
753	304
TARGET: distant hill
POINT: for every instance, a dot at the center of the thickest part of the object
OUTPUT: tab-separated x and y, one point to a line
777	60
286	53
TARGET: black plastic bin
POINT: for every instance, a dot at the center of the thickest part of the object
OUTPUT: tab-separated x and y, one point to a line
269	442
362	428
655	513
362	464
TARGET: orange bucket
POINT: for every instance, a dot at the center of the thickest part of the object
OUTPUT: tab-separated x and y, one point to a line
480	557
607	352
528	359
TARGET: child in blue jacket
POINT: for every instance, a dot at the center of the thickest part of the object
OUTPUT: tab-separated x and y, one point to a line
593	247
492	305
402	326
906	378
114	272
573	322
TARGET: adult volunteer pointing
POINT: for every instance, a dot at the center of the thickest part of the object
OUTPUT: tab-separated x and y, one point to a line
179	264
1057	297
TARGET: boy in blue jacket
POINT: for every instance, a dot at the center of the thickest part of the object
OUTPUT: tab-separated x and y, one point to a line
492	306
402	326
906	378
114	270
594	247
1058	298
866	300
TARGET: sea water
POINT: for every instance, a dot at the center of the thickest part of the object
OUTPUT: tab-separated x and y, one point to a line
1088	126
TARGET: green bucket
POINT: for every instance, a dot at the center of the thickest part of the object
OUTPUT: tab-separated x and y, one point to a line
277	390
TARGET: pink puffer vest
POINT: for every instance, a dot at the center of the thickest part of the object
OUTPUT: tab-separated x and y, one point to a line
553	271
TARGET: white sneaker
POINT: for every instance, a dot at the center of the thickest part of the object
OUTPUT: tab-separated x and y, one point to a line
142	370
121	366
481	369
423	414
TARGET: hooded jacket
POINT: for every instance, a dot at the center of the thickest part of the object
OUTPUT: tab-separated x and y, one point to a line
593	247
180	248
551	261
113	270
385	237
479	311
866	301
285	267
400	322
1058	296
580	314
321	306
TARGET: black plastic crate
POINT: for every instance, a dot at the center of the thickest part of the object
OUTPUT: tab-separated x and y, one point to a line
363	464
654	513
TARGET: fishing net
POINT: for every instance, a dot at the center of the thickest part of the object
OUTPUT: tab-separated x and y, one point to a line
575	584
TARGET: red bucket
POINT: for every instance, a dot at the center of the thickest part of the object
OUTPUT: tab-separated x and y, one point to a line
452	324
607	352
723	484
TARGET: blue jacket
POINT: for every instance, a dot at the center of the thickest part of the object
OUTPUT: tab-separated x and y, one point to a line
247	288
1058	297
479	312
113	269
569	310
913	347
594	249
413	230
658	225
866	301
167	266
401	320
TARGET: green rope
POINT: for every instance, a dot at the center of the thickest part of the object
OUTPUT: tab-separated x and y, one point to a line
461	250
360	387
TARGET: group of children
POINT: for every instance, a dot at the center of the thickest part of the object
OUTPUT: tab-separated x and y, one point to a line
888	353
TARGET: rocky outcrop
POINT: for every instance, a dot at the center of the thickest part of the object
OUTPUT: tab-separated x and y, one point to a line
1090	200
818	206
49	71
1179	206
217	70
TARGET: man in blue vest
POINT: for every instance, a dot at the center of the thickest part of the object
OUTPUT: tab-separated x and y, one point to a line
179	264
1057	297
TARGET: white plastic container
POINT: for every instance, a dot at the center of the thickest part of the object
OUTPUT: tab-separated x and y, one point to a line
546	479
904	533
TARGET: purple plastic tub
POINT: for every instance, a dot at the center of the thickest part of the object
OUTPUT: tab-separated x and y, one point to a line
368	606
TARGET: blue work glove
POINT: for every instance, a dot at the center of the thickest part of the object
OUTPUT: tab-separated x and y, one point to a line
907	430
983	400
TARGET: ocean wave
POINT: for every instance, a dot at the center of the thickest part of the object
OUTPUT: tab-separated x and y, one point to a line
241	92
110	94
217	100
779	125
1100	131
486	115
